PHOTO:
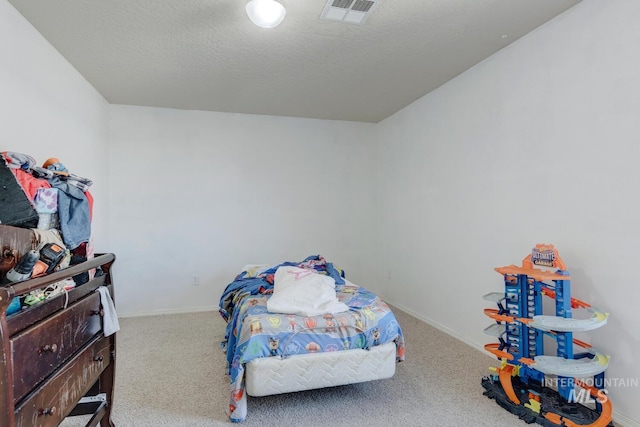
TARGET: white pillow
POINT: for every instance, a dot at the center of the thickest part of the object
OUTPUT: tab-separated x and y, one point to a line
304	292
254	269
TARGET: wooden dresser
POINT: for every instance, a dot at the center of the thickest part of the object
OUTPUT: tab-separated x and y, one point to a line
54	355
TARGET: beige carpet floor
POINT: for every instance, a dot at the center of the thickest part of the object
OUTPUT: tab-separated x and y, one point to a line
171	372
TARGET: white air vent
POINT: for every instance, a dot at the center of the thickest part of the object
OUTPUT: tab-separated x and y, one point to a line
349	11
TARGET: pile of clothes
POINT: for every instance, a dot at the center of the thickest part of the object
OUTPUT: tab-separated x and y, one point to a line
60	199
55	204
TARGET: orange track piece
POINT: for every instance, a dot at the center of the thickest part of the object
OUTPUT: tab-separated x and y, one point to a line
581	343
493	313
576	341
527	361
505	375
531	272
554	418
548	292
603	420
575	303
493	348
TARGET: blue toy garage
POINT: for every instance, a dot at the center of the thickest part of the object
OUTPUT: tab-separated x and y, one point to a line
562	390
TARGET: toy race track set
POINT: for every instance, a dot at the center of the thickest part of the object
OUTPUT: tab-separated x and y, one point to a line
521	383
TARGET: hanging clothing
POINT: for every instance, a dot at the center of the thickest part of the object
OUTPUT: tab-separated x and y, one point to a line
74	213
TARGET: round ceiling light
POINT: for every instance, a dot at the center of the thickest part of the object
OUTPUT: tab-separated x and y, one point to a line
266	13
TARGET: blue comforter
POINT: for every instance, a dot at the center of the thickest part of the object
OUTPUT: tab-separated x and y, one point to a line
253	332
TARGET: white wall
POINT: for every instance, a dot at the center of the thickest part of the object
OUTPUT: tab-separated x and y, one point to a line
537	144
48	110
202	194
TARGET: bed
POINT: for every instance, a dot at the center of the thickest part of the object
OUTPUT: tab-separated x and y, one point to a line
273	349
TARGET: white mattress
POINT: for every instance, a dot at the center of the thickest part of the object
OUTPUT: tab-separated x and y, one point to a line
275	375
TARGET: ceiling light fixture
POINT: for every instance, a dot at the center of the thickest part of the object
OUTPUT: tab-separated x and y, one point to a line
266	13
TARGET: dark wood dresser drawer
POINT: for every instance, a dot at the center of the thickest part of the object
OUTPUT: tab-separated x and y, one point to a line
54	353
39	350
57	397
15	242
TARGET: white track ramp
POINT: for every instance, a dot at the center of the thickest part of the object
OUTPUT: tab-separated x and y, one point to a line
580	368
562	324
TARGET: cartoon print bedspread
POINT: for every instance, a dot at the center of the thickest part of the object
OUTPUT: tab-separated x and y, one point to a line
253	332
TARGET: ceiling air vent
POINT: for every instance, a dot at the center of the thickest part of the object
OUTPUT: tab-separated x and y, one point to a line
349	11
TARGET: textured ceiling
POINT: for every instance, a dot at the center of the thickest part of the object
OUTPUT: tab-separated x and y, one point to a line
207	55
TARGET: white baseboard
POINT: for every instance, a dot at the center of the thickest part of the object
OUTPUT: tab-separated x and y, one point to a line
169	311
618	419
623	421
437	325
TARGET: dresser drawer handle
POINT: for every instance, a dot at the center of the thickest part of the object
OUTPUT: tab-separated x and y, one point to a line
97	312
98	358
47	411
51	348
